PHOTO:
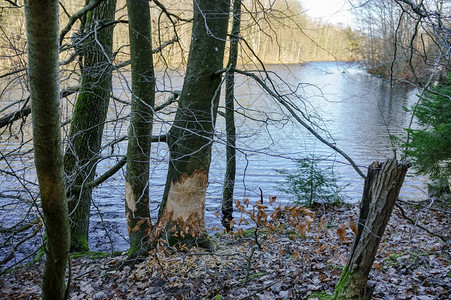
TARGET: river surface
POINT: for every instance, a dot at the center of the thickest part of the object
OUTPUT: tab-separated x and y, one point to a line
356	111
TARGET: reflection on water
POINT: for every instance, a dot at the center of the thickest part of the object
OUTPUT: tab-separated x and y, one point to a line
355	110
359	111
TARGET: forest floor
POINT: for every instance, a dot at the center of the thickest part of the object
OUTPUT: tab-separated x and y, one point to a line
293	263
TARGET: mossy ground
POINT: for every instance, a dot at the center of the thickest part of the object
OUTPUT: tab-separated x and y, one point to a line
89	254
320	296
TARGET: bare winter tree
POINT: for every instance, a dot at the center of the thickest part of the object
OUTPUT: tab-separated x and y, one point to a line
43	72
94	43
140	131
229	178
190	138
405	40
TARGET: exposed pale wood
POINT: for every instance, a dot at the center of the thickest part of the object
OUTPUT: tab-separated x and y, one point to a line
191	135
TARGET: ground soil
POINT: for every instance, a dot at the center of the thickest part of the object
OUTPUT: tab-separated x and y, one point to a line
292	263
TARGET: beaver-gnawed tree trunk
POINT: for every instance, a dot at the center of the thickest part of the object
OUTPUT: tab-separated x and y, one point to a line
182	212
43	72
91	106
140	130
382	186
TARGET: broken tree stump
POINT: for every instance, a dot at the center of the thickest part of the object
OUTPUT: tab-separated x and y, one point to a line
381	189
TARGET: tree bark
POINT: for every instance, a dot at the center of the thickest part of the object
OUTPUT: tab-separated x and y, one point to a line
229	180
85	134
182	212
43	51
140	131
382	186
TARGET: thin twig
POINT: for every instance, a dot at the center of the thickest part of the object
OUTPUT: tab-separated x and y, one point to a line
403	213
284	103
248	265
76	16
13	249
269	285
99	180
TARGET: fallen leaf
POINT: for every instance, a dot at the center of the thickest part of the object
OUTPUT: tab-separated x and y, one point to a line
307	212
261	206
240	232
301	229
322	223
232	223
341	232
296	255
294	211
353	227
309	221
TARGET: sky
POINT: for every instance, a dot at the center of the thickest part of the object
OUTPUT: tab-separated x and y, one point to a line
330	11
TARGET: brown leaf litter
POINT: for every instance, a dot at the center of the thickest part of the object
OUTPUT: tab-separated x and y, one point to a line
294	261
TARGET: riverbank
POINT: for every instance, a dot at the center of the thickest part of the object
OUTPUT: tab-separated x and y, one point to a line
410	264
360	112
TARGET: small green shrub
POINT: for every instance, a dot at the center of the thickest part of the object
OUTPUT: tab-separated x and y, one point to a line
429	147
312	183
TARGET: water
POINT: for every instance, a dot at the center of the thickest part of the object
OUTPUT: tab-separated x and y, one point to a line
359	111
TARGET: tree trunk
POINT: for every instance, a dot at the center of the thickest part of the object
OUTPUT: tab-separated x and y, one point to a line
183	207
91	107
140	131
43	50
382	186
229	180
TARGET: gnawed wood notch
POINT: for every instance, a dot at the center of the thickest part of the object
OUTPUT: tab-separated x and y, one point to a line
138	220
130	197
382	186
184	212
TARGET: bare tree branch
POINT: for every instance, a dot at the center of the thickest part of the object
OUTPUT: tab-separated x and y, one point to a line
99	180
169	14
290	109
14	116
156	50
404	215
76	16
11	254
25	111
12	3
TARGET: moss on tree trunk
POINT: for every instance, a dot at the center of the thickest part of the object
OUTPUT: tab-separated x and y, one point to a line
140	130
382	186
43	71
91	106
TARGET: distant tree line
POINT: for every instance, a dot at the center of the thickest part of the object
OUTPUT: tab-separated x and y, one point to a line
278	32
403	40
